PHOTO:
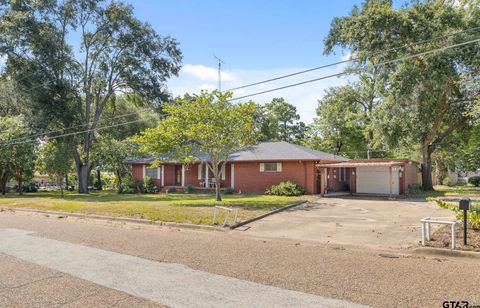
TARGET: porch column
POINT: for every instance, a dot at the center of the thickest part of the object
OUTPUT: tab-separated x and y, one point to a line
207	184
322	181
183	175
163	175
390	172
232	175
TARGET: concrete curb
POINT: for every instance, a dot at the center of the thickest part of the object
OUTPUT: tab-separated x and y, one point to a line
267	214
119	219
447	252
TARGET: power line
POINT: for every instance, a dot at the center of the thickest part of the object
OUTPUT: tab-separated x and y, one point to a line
69	128
73	133
262	92
348	60
349	72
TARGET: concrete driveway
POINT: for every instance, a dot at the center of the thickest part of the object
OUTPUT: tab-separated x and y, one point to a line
374	223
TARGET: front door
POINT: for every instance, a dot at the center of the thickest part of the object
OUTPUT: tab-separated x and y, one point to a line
178	175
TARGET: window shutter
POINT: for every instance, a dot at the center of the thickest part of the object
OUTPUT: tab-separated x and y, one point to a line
279	167
200	171
223	172
262	167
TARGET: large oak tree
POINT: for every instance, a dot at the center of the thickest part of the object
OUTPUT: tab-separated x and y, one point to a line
427	97
71	56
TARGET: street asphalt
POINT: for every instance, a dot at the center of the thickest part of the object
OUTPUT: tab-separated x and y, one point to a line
57	261
174	285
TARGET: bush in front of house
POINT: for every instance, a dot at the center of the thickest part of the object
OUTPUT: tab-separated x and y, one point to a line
288	188
149	186
414	189
474	180
229	191
190	189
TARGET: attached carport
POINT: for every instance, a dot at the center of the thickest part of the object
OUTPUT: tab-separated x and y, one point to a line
386	177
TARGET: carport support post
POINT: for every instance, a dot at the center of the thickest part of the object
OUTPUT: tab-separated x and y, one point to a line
390	171
322	181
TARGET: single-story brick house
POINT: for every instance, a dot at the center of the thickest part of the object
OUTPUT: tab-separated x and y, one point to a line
257	167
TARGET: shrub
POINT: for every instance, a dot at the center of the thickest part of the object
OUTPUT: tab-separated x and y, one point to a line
149	186
190	189
128	185
473	215
171	190
446	181
414	189
229	191
287	188
474	180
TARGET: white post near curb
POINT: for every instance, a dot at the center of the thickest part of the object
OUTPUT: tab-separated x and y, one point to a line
228	210
426	229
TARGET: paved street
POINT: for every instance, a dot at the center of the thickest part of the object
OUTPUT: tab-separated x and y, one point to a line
113	252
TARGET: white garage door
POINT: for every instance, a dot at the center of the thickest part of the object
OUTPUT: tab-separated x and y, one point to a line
375	180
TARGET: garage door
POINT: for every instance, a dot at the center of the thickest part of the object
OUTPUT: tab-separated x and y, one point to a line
375	180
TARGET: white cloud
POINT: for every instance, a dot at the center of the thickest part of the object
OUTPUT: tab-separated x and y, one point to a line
304	97
205	73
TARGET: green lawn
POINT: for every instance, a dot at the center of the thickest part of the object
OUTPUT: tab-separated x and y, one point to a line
451	191
178	207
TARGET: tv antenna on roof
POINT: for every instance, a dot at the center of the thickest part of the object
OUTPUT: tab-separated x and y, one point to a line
220	62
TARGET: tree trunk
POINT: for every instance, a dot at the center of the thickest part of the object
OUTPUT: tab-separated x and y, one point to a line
370	138
19	184
218	197
61	185
83	172
426	165
66	181
99	180
3	183
119	183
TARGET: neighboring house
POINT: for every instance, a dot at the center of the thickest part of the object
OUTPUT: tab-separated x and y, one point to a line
257	167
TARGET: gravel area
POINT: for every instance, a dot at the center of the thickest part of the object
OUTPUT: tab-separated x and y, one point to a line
443	236
372	277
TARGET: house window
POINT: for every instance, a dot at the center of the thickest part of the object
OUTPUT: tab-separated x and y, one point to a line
151	173
202	169
271	167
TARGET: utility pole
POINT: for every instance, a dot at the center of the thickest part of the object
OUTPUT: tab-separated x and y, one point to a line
220	62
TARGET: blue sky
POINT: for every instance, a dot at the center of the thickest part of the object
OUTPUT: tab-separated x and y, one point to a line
256	39
247	34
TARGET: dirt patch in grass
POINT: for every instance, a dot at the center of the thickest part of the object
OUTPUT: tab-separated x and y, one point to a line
441	238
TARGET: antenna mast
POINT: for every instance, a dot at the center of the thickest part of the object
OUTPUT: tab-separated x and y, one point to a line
220	62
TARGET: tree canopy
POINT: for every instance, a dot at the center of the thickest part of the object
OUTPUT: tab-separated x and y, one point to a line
426	97
206	123
70	84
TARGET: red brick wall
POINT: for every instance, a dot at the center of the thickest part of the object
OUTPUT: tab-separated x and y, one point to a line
191	175
248	177
411	174
137	174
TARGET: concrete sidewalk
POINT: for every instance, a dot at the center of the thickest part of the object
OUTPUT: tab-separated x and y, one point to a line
174	285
